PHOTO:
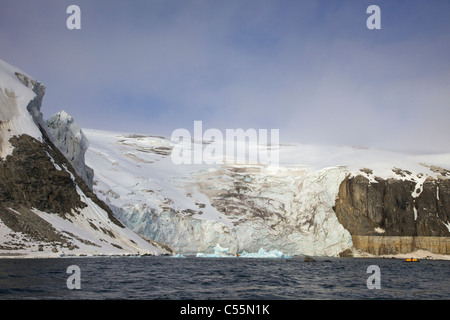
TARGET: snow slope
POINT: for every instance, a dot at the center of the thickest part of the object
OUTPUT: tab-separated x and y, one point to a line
243	207
15	119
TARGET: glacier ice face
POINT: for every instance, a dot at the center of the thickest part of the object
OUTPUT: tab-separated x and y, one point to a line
220	252
192	208
289	210
71	141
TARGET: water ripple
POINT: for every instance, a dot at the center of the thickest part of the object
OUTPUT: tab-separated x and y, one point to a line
165	278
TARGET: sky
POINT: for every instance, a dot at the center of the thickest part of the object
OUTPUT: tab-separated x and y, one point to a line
310	68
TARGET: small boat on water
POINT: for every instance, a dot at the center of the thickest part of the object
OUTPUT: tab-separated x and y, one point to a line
411	260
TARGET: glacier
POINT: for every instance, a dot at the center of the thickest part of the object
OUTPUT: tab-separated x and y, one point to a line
191	208
243	207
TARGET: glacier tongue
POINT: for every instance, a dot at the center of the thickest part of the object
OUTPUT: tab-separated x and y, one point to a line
194	207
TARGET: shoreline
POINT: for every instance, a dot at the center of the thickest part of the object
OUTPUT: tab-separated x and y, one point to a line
419	254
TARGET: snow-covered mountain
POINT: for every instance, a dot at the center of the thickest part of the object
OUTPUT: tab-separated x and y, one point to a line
67	191
46	209
246	207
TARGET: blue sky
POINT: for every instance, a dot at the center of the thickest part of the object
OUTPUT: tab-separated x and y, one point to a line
309	68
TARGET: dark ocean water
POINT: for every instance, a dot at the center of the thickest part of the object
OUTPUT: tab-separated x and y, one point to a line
167	278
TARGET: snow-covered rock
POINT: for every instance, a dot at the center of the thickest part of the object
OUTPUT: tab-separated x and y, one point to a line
19	112
46	209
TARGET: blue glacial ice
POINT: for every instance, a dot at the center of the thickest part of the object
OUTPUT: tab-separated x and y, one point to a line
220	252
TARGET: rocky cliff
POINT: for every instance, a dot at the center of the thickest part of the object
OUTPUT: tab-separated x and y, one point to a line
386	216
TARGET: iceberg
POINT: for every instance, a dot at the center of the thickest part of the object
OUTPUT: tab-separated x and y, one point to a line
220	252
265	254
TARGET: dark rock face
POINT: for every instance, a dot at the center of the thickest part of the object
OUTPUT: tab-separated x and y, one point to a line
25	221
389	205
29	179
38	176
433	206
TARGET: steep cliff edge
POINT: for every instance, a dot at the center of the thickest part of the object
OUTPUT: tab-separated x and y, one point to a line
390	216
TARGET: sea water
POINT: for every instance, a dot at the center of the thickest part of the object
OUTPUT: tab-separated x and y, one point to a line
194	278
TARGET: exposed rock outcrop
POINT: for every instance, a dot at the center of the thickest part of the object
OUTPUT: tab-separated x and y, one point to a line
38	183
394	208
387	245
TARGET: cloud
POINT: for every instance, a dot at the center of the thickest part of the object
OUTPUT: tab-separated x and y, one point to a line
308	68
